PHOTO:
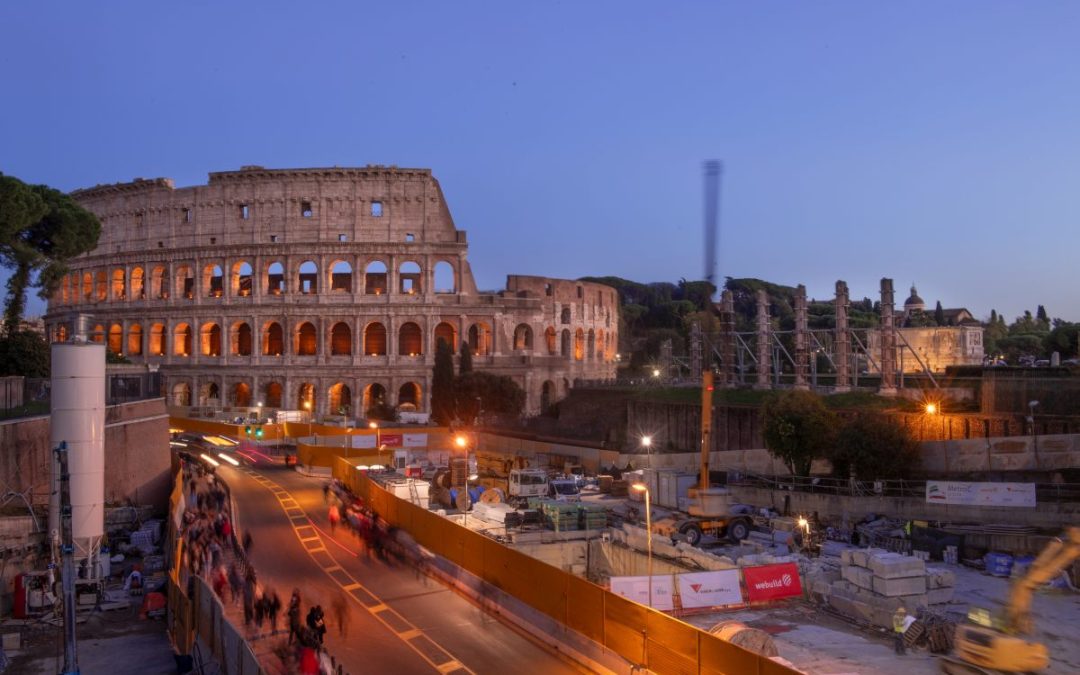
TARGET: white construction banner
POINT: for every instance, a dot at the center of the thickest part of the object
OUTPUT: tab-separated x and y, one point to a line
415	440
365	441
710	589
637	589
980	494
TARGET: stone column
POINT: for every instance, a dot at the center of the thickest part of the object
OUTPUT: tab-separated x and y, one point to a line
802	339
842	352
727	340
888	340
764	341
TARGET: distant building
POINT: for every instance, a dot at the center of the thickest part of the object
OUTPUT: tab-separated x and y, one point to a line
958	343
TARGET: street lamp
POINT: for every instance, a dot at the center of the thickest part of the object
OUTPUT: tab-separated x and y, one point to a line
463	443
646	442
641	487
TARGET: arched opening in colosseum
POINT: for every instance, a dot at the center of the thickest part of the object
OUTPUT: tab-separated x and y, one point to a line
340	339
65	289
445	281
240	339
579	345
480	339
275	279
565	318
181	394
61	333
210	340
409	278
210	395
600	345
409	397
213	281
159	283
119	291
340	399
273	339
307	341
307	280
241	395
341	277
523	338
272	395
87	287
374	395
375	278
305	397
375	339
591	349
98	334
410	340
240	283
446	332
182	340
134	340
564	347
157	339
547	396
116	339
138	284
102	286
185	282
552	341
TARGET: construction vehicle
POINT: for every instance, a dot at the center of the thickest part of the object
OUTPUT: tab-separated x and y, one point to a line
565	489
990	645
711	510
517	487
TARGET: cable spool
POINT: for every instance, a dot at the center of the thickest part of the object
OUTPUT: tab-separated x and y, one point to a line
752	639
493	496
462	501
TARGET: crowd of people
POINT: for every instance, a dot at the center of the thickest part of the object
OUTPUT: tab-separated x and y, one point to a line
380	540
210	550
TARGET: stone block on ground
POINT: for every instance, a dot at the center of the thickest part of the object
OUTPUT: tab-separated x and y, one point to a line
939	577
896	566
845	556
860	576
861	557
900	586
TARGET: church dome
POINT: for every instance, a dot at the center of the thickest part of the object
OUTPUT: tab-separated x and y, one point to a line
914	302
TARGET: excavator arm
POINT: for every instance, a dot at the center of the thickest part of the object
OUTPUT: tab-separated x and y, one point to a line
1057	555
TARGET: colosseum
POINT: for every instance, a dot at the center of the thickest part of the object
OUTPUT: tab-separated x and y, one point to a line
317	289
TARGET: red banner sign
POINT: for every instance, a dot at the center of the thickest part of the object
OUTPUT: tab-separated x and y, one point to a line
392	440
771	582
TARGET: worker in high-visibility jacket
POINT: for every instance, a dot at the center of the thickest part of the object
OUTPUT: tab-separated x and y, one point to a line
899	623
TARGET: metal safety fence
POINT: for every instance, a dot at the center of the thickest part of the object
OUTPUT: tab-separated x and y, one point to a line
642	636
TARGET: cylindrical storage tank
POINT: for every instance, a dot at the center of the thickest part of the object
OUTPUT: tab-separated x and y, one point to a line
78	419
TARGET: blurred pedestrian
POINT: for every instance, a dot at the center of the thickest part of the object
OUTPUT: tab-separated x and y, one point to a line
341	614
294	616
273	606
335	517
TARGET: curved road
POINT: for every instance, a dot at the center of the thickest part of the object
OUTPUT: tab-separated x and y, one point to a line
399	621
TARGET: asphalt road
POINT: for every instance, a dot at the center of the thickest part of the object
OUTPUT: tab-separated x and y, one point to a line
399	621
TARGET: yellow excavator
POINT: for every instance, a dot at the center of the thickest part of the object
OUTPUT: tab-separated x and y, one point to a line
997	646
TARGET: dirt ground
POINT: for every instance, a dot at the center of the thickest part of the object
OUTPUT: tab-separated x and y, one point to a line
821	643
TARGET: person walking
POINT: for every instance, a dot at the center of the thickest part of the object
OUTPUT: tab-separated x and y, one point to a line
273	606
899	622
317	623
335	517
341	615
294	616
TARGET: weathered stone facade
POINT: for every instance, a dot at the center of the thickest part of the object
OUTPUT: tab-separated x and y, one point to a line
285	287
937	347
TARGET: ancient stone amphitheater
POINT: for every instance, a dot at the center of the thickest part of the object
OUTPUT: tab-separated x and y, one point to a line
319	289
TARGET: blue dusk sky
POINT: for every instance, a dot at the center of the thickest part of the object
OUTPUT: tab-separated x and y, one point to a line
930	142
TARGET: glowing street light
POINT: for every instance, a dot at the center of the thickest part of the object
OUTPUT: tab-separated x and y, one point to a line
641	487
931	408
656	372
646	442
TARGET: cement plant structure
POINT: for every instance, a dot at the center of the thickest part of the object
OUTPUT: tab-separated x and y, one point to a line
320	289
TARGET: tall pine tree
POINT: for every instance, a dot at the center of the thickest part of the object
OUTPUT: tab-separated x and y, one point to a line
939	314
465	364
442	384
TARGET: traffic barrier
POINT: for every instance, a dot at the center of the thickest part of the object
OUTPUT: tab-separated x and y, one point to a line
640	635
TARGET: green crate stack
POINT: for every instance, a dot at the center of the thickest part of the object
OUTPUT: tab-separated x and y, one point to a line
560	516
593	516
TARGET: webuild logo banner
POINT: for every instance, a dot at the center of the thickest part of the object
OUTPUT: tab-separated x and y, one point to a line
772	582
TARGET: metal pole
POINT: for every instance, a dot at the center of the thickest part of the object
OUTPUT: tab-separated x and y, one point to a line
648	535
67	549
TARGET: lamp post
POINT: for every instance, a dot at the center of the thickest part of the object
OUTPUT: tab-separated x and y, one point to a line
463	443
641	487
646	442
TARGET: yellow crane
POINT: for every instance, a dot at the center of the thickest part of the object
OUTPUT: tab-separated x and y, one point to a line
989	647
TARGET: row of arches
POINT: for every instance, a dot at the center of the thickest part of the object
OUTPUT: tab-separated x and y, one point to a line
158	283
339	396
209	339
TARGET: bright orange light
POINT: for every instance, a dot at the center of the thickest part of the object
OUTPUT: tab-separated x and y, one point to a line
640	487
931	408
460	441
373	425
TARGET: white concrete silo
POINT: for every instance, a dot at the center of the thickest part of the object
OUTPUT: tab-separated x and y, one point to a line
78	419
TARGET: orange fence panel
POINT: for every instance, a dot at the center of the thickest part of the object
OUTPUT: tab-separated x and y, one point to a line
672	645
719	657
624	627
585	608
